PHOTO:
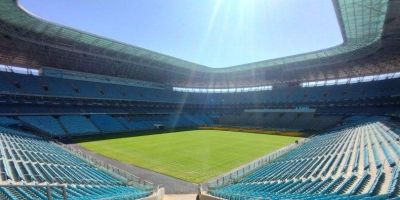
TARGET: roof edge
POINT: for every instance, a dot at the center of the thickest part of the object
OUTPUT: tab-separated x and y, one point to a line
342	48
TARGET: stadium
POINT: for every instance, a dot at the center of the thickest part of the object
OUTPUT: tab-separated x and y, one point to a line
87	117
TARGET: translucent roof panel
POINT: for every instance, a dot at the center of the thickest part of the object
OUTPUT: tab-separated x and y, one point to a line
209	32
361	23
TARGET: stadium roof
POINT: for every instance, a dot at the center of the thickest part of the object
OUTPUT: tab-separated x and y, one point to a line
362	24
37	42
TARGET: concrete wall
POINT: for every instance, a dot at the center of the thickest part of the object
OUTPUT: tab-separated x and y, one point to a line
290	121
157	195
205	196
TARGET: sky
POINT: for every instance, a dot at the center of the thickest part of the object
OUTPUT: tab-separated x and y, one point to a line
214	33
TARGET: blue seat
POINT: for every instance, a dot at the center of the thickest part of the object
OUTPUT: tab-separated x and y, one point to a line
325	167
47	163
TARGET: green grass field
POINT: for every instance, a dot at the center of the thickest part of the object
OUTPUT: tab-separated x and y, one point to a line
194	156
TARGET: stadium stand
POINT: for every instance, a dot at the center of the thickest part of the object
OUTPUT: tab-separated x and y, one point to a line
150	122
281	120
30	163
47	124
56	87
131	124
61	126
348	95
354	161
7	121
78	125
107	124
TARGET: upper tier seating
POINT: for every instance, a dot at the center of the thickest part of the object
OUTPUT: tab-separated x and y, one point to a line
352	162
11	83
30	160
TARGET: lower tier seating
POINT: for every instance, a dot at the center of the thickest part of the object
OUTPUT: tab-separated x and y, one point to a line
354	161
6	121
28	164
47	124
78	125
106	123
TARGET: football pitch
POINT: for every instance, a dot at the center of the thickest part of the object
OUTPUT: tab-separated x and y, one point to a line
195	156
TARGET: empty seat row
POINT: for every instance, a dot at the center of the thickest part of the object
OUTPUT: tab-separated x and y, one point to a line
357	160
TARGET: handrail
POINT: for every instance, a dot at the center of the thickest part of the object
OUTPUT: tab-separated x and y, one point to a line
129	178
48	188
238	173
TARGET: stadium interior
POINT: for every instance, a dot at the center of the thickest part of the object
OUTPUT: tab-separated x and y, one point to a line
59	85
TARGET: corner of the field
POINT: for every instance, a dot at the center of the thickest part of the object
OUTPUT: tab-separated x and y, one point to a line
239	172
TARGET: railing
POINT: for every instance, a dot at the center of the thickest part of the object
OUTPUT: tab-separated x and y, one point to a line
130	179
236	174
48	190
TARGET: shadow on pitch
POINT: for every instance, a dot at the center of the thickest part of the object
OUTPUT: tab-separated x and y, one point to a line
108	136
